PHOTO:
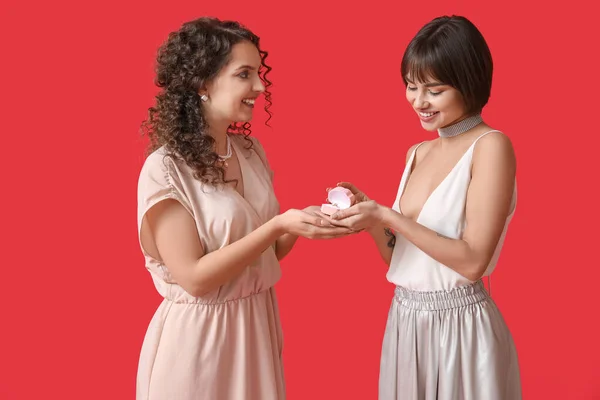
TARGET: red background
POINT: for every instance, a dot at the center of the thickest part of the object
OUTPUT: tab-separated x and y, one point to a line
76	83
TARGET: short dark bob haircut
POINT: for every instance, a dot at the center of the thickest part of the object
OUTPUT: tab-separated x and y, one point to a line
451	50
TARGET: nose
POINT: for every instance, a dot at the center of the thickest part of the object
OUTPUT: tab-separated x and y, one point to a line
420	101
258	86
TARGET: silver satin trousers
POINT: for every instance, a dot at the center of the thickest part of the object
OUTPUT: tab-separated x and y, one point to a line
447	345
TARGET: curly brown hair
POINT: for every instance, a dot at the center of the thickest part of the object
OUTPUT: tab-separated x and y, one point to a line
189	58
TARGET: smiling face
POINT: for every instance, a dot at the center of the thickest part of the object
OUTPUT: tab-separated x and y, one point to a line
232	92
437	104
447	68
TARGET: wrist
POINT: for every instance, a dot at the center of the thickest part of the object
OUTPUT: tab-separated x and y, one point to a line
394	220
383	214
279	226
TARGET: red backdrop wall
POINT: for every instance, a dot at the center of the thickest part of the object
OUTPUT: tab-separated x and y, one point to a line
76	83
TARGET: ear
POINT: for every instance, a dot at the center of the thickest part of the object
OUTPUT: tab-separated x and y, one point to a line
203	92
202	86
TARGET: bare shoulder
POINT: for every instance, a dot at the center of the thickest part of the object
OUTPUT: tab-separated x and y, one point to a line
422	149
495	139
495	142
495	149
410	151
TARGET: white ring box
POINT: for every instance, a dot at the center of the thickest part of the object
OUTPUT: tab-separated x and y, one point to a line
340	198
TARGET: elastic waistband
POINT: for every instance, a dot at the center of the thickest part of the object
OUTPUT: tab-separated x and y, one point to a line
441	299
181	297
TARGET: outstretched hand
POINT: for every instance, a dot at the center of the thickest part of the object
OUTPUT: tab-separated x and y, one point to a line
311	224
364	215
316	211
359	196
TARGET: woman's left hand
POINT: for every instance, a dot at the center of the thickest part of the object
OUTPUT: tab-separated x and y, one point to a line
363	215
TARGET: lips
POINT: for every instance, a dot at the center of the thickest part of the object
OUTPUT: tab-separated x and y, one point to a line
427	116
248	102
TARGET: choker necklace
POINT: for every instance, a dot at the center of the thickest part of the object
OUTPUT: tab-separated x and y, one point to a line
223	159
460	127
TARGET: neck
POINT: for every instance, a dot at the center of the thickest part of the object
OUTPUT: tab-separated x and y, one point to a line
219	132
461	126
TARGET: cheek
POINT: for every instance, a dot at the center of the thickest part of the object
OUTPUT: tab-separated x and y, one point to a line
237	93
442	104
229	100
456	109
453	105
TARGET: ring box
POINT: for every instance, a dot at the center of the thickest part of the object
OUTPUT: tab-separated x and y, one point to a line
340	199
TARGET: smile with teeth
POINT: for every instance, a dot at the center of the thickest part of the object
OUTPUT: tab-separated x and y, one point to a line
427	115
249	102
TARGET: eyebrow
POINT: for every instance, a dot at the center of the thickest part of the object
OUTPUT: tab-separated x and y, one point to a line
245	67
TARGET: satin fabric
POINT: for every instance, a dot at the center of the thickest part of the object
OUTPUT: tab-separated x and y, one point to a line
448	345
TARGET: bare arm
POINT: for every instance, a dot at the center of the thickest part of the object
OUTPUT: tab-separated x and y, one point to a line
285	244
488	205
172	231
385	240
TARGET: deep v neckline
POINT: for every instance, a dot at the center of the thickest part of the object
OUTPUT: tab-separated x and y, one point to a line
410	171
243	176
248	199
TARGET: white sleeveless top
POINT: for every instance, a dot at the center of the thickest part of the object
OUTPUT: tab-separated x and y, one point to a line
443	212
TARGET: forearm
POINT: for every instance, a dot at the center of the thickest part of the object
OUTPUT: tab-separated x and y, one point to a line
384	240
453	253
284	245
216	268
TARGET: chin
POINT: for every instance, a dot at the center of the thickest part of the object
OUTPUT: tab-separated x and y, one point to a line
429	128
244	118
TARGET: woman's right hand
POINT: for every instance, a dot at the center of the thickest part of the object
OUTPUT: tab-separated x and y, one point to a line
359	196
310	225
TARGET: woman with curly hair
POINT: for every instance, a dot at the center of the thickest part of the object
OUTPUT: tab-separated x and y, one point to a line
209	223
